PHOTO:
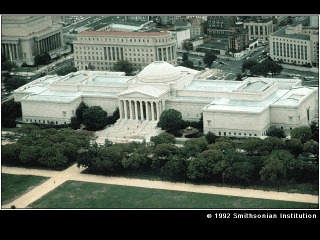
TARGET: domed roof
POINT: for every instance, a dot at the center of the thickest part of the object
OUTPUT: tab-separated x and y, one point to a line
159	72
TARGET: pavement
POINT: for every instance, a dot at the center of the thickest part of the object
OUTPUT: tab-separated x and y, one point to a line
56	178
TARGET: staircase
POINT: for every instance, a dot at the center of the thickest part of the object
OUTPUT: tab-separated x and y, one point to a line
125	130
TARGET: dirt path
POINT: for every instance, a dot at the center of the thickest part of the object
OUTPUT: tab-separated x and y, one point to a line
73	173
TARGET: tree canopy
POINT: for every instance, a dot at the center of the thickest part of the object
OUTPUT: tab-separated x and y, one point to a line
94	118
123	66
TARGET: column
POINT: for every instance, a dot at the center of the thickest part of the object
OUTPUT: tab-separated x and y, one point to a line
136	109
158	111
167	53
130	108
125	109
147	111
120	111
152	111
141	110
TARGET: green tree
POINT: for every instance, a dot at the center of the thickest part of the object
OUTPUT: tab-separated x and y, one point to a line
259	69
311	147
8	66
272	171
109	159
302	133
30	154
176	168
94	118
197	144
163	138
211	137
14	83
170	120
276	132
52	157
314	127
294	146
79	111
185	56
123	66
248	64
10	111
209	58
272	67
64	71
161	154
202	167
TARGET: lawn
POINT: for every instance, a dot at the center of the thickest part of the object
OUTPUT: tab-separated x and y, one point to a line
13	185
76	194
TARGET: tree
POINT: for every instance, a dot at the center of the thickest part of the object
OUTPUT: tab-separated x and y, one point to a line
161	154
163	138
42	59
272	67
273	170
176	168
202	167
110	159
14	83
259	69
314	127
248	64
170	120
294	146
200	144
94	118
79	111
52	157
302	133
187	64
209	58
276	132
311	147
64	71
10	110
185	56
30	154
123	66
210	137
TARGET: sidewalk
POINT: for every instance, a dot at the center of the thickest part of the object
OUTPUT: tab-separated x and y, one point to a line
73	173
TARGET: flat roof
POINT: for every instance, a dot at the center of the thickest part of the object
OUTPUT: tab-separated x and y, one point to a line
109	80
255	85
282	33
246	105
219	86
134	34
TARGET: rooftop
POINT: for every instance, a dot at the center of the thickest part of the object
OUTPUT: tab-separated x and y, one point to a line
219	86
282	33
135	34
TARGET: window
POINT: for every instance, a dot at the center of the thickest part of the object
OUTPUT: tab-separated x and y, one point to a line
308	116
64	114
290	118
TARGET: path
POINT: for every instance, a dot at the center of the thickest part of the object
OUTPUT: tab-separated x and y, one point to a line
73	173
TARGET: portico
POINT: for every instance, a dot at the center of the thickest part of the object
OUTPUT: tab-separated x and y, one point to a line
140	109
143	103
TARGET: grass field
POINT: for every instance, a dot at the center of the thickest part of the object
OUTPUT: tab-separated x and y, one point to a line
13	185
75	194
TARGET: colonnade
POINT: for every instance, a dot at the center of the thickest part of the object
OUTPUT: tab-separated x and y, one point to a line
165	54
48	44
140	110
10	50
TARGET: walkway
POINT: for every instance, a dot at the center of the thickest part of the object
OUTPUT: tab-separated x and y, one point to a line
73	173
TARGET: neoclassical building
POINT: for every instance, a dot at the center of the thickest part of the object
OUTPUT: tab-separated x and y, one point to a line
24	37
241	108
102	49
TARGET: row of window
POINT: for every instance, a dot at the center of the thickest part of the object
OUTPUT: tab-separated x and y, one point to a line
100	48
44	121
123	39
290	50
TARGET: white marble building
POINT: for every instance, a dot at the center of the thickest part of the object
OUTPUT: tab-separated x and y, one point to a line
241	108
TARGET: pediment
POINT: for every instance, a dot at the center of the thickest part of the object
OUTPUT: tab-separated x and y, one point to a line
137	95
142	92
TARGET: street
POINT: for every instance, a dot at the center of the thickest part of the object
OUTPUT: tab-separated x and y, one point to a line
230	68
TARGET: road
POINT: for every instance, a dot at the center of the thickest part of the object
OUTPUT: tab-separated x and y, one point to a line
231	68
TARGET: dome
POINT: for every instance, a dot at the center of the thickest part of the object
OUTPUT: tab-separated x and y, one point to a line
159	72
